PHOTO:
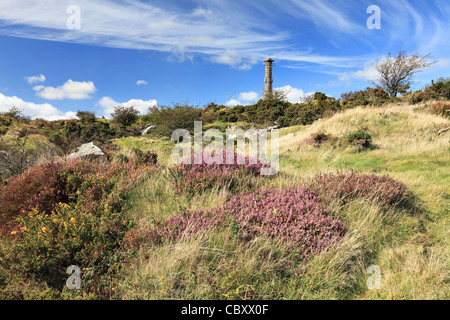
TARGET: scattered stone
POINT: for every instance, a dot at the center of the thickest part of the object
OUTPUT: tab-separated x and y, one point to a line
146	130
88	151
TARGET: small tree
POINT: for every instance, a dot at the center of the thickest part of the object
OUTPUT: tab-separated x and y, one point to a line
15	156
307	98
280	94
180	116
86	116
13	112
125	116
396	73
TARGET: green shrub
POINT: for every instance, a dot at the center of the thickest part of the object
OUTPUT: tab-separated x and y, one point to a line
368	97
319	137
360	138
167	119
125	116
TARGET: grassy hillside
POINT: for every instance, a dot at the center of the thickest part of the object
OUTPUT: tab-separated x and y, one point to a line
175	244
409	245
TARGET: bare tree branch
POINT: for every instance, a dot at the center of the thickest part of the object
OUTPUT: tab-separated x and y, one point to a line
396	73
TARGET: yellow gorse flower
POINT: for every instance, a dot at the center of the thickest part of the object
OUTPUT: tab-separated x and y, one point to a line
73	220
14	233
44	229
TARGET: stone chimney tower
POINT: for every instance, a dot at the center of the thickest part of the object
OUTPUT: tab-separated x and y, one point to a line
268	93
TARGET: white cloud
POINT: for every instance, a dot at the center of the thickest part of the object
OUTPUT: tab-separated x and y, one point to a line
294	95
232	103
244	98
141	82
248	96
34	79
73	90
367	74
108	104
200	12
229	57
45	110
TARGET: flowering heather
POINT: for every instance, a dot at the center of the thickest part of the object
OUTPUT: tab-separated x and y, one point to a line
292	216
344	186
195	178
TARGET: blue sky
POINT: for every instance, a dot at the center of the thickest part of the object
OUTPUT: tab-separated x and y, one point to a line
57	57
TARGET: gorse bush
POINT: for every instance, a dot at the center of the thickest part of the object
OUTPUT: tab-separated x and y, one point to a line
43	187
69	214
71	235
368	97
294	217
192	179
345	187
360	138
440	108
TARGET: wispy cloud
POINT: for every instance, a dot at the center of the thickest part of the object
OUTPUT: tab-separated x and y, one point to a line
35	79
141	82
137	25
238	33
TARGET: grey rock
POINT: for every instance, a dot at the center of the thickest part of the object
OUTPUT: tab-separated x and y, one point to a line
146	130
88	151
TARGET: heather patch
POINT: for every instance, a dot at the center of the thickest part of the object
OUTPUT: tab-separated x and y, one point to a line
294	217
194	178
343	187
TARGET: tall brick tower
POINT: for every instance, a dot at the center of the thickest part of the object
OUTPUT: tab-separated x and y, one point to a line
268	81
